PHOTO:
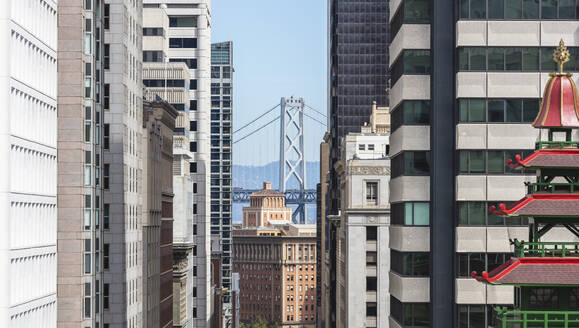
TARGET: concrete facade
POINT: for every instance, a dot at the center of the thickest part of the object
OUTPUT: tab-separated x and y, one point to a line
123	116
495	90
189	35
28	163
363	254
157	247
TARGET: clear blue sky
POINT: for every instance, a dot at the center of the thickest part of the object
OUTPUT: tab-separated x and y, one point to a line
279	49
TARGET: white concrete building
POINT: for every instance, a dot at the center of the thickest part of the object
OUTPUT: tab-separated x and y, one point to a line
28	167
123	162
467	78
189	36
363	254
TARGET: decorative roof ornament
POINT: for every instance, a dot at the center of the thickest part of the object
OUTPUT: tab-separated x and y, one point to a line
561	55
560	104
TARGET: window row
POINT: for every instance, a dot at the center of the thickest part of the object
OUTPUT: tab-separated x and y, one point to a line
411	112
410	314
183	43
410	12
416	264
479	262
511	110
478	214
488	161
411	213
410	61
411	163
190	62
530	59
519	9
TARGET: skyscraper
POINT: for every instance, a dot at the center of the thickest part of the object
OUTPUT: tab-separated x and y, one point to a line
466	82
83	214
28	167
189	36
358	40
221	158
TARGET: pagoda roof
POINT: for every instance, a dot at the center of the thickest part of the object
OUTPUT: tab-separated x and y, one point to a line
541	205
560	104
533	271
556	158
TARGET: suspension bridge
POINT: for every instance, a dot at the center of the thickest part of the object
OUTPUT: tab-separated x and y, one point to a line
292	156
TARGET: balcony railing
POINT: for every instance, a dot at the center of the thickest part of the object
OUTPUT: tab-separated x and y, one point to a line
536	319
552	188
558	145
546	249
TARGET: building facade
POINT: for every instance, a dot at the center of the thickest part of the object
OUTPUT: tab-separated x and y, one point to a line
221	161
171	81
363	232
466	82
276	263
277	270
189	35
358	58
157	247
28	164
84	216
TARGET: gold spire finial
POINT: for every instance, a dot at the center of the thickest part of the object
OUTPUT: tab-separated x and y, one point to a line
561	55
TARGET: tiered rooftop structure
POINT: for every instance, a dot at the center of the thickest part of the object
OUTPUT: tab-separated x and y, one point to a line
547	273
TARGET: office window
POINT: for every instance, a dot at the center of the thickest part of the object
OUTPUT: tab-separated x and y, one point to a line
107	96
194	271
489	161
106	16
371	284
150	56
106	170
410	62
107	55
410	314
410	12
193	104
105	296
182	21
411	213
183	43
410	263
411	163
478	214
190	62
215	72
153	31
411	112
87	298
361	147
106	256
474	315
371	233
371	192
193	146
479	262
371	309
193	126
511	110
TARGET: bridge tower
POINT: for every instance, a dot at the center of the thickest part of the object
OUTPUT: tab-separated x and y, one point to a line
292	161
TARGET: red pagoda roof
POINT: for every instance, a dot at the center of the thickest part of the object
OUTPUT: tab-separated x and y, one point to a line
534	271
560	105
541	205
548	158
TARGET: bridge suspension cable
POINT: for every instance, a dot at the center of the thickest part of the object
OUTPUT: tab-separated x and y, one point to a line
315	119
260	116
256	130
315	110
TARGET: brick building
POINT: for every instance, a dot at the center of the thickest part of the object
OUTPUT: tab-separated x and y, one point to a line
276	261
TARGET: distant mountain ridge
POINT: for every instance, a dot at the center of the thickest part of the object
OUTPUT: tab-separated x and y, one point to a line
252	177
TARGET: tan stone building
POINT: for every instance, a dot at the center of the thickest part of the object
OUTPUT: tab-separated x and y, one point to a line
264	206
276	262
157	145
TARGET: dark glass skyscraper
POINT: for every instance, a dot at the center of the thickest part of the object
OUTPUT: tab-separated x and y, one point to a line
358	42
